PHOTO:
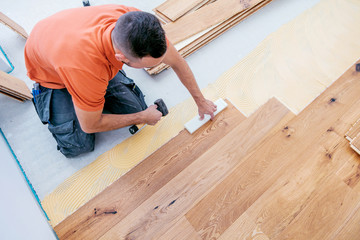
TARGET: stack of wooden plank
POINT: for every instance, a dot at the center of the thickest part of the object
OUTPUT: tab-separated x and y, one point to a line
191	24
13	25
14	87
353	135
10	85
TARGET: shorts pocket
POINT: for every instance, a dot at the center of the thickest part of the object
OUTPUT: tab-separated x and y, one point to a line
42	105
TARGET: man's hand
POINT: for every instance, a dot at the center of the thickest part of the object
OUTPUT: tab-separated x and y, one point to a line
182	69
96	121
206	107
152	115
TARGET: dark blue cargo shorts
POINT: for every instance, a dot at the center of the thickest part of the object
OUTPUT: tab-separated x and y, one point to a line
55	108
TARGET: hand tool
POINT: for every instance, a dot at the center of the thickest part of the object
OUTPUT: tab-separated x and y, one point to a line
86	3
196	123
161	106
36	90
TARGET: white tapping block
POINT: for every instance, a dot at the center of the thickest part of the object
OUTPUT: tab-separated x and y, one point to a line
195	123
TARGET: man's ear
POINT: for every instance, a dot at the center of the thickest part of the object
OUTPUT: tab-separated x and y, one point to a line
121	57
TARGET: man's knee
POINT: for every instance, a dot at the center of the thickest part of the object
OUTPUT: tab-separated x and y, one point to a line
71	140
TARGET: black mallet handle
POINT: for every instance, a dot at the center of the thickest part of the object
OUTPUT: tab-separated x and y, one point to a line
161	106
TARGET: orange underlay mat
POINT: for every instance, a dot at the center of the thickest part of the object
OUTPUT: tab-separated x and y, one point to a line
295	64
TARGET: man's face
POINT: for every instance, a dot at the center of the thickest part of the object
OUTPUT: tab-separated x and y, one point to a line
145	62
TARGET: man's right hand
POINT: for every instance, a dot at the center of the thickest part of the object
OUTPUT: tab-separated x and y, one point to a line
152	115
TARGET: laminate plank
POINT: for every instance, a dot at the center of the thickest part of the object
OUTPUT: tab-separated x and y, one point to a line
13	93
12	96
205	18
221	28
299	186
14	84
159	212
355	143
351	228
293	190
211	35
350	171
13	25
182	230
174	9
162	17
149	176
353	131
253	176
328	209
244	228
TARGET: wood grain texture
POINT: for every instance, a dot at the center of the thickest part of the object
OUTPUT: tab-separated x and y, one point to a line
353	131
150	175
174	9
14	86
211	35
253	176
355	143
294	190
13	25
244	228
159	212
326	210
181	230
205	18
351	227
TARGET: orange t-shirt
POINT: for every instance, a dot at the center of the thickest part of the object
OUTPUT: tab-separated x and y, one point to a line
72	49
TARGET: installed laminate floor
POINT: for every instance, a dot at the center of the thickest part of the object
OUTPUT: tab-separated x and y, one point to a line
273	175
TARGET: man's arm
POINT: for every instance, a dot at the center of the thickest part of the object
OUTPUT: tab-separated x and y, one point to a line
92	122
183	71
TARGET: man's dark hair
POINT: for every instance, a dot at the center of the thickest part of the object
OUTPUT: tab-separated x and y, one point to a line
139	34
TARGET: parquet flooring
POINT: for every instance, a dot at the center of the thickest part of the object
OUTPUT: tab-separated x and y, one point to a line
273	175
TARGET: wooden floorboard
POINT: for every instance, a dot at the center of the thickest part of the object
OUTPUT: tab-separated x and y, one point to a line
252	177
14	86
173	9
205	18
181	230
140	183
159	212
211	35
270	176
353	131
351	228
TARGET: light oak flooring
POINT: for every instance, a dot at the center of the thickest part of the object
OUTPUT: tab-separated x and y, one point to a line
273	175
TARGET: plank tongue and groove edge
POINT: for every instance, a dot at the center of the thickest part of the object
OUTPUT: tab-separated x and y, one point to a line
205	18
128	192
282	153
156	215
